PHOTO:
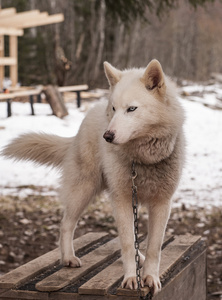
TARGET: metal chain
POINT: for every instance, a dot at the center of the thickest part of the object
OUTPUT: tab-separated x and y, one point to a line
136	229
136	232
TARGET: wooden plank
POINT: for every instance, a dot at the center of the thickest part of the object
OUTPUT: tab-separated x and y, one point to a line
30	19
29	270
7	11
73	88
104	280
1	45
90	261
189	283
11	31
169	258
20	94
49	20
44	262
20	294
13	52
27	93
24	88
101	283
21	22
174	252
73	296
2	68
8	61
13	21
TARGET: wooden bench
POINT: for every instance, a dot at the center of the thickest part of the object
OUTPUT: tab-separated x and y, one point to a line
8	97
74	88
24	93
182	269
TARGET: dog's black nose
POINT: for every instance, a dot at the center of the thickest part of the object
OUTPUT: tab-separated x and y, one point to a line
109	136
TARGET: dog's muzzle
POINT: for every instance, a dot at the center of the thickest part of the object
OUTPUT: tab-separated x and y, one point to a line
109	136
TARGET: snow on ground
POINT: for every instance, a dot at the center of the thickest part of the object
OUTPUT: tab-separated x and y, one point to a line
208	94
201	184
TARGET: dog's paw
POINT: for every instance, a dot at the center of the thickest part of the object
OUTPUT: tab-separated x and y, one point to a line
130	283
73	262
153	282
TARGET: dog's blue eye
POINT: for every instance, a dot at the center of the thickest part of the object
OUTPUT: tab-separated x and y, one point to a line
131	108
114	108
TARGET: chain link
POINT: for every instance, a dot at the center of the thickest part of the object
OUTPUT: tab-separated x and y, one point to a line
136	233
136	229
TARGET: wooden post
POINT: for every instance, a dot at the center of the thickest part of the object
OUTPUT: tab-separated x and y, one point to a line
31	100
39	99
13	50
9	107
78	99
2	68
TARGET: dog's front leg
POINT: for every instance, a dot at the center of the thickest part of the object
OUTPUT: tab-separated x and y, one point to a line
158	217
124	220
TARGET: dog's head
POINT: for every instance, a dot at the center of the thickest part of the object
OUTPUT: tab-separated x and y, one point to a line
141	100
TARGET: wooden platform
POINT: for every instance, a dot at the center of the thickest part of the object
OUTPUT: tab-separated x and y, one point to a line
182	269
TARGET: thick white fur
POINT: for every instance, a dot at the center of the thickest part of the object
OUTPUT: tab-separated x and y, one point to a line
151	135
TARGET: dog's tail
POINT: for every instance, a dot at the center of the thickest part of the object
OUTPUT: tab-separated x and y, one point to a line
44	149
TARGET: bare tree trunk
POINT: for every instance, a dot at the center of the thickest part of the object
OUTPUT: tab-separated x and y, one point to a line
71	30
92	47
118	44
79	47
101	26
55	100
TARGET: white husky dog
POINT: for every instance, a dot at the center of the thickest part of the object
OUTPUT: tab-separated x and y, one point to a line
141	122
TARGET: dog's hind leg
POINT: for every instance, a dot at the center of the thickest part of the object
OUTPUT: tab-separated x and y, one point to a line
76	198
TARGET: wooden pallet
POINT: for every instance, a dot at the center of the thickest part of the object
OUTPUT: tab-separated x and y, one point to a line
182	269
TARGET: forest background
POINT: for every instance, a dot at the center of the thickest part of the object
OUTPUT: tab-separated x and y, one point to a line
184	35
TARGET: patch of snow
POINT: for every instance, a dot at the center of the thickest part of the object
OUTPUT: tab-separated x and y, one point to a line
209	95
193	88
201	183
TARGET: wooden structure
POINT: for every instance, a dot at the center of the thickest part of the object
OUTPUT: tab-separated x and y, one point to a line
182	269
12	24
9	97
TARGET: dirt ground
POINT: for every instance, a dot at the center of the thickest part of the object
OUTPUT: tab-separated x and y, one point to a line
29	227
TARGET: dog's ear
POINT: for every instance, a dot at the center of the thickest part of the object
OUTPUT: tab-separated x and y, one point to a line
153	77
112	74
